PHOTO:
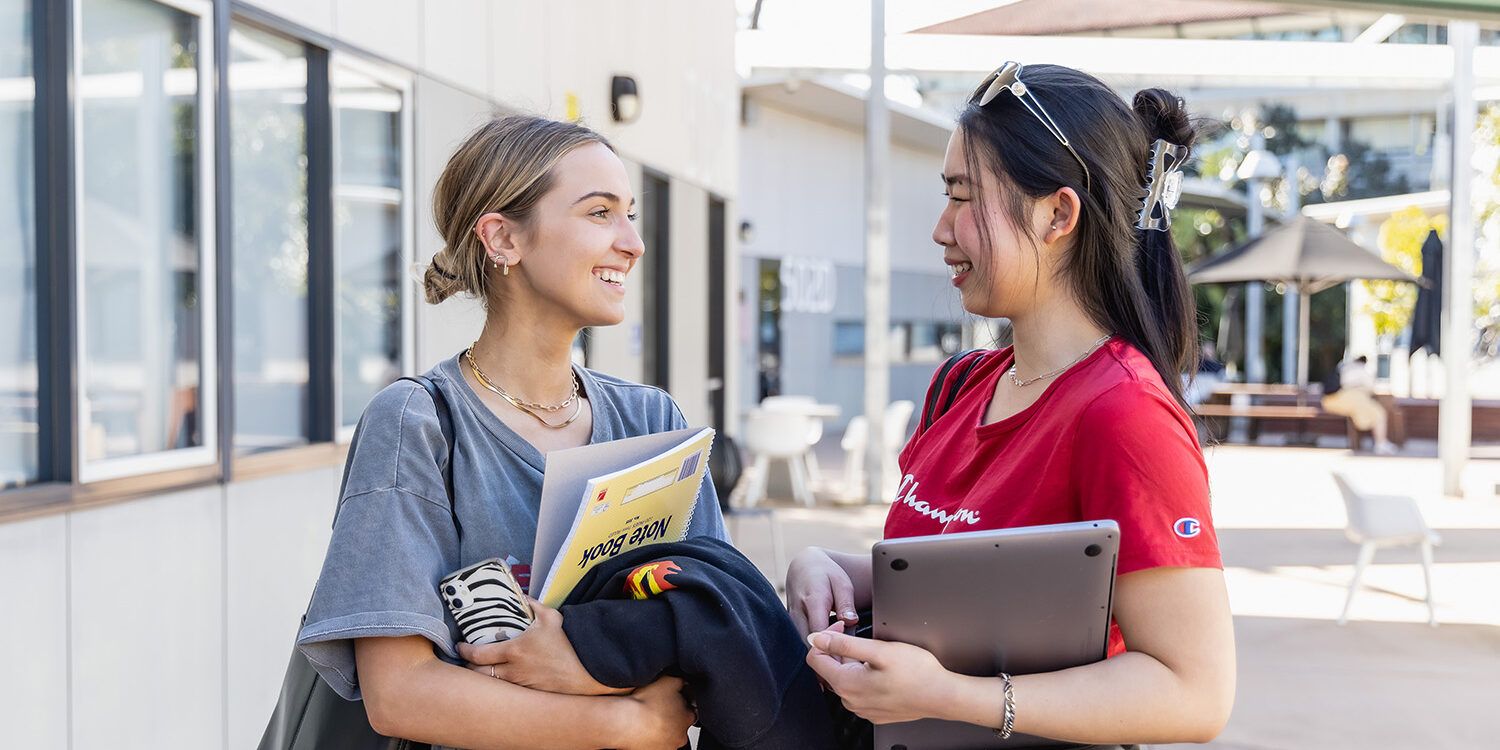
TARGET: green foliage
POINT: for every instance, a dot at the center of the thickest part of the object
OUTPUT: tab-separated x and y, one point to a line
1391	303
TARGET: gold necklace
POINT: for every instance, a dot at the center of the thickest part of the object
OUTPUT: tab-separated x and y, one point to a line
519	402
523	405
1023	383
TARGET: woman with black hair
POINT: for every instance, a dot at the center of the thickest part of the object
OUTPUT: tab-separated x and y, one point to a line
1058	221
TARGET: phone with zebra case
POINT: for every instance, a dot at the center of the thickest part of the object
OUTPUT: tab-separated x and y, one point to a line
486	602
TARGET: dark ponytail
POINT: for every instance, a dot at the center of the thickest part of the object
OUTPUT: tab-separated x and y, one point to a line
1163	116
1129	280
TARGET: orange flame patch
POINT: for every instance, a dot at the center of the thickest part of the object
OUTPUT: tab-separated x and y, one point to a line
650	579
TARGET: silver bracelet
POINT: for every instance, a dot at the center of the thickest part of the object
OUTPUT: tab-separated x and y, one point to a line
1008	719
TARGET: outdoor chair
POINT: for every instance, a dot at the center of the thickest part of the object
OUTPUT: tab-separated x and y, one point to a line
814	434
774	435
1380	521
857	435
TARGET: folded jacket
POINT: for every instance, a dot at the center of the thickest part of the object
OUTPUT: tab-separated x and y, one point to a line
701	611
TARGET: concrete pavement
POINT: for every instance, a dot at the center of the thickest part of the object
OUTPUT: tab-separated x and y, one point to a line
1387	679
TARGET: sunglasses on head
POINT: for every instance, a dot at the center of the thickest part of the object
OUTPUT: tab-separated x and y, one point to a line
1007	77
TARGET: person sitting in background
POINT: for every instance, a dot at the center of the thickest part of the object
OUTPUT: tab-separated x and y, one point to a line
1349	391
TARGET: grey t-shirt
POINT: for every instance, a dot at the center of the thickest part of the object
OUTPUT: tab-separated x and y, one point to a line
393	536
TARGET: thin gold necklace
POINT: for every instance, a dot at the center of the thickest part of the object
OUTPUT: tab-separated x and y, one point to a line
1023	383
524	406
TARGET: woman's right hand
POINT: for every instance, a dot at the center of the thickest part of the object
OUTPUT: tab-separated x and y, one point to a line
816	586
661	717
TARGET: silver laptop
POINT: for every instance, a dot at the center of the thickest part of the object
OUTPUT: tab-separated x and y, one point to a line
1022	601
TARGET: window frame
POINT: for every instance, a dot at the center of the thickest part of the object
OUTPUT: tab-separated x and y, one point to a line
312	433
404	82
63	482
207	454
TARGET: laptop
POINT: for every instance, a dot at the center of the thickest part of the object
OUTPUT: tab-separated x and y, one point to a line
1023	600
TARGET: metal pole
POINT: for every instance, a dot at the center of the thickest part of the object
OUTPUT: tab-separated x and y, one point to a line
877	261
1255	300
1293	337
1454	411
1304	324
1255	293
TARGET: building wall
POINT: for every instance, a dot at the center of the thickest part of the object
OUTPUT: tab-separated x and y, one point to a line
167	621
802	190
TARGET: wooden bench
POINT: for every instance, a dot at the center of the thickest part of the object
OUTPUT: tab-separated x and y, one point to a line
1260	411
1277	402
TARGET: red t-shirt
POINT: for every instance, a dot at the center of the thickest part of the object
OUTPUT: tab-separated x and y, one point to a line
1106	440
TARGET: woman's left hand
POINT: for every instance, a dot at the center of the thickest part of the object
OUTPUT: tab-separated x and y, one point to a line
541	658
883	681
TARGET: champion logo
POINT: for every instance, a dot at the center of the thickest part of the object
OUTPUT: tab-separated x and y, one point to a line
1187	528
907	494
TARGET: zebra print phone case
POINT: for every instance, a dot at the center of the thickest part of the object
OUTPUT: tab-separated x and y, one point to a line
486	602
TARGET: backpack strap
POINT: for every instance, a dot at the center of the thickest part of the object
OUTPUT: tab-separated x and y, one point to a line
937	403
445	424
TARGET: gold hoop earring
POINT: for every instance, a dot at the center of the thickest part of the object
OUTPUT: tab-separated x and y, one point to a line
505	270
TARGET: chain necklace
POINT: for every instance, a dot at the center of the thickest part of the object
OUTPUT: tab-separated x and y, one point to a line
527	406
1019	383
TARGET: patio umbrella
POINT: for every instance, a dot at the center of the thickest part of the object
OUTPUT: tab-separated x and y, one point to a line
1426	329
1304	252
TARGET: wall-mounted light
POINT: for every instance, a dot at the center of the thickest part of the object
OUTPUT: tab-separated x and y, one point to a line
747	232
624	99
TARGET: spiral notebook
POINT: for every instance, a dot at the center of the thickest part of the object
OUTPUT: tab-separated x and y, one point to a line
601	500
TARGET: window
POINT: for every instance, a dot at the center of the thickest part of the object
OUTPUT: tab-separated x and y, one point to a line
268	149
19	427
144	237
849	339
917	342
372	230
932	342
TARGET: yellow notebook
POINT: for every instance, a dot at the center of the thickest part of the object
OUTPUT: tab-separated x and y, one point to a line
601	500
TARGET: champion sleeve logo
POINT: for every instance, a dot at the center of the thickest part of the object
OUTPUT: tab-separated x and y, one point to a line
1187	528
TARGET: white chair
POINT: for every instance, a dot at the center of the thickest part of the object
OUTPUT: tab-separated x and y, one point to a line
801	404
774	435
1377	521
856	433
857	436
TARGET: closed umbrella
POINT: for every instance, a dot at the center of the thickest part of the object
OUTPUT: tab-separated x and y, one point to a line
1304	252
1426	328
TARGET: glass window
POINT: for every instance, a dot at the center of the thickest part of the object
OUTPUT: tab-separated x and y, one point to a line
268	134
144	234
931	342
848	339
18	362
370	235
900	342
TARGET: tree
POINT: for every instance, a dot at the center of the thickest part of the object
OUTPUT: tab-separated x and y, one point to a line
1391	303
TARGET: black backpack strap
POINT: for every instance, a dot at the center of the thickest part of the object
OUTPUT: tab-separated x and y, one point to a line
958	383
936	403
445	424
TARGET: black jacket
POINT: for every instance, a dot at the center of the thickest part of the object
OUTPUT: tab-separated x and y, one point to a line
701	611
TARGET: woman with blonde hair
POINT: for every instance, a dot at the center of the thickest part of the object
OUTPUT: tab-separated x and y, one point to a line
537	219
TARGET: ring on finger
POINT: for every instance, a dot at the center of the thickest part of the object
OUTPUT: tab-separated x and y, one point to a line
492	672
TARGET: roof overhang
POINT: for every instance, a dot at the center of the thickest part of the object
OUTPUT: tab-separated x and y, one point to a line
1474	10
1343	214
844	105
1129	61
